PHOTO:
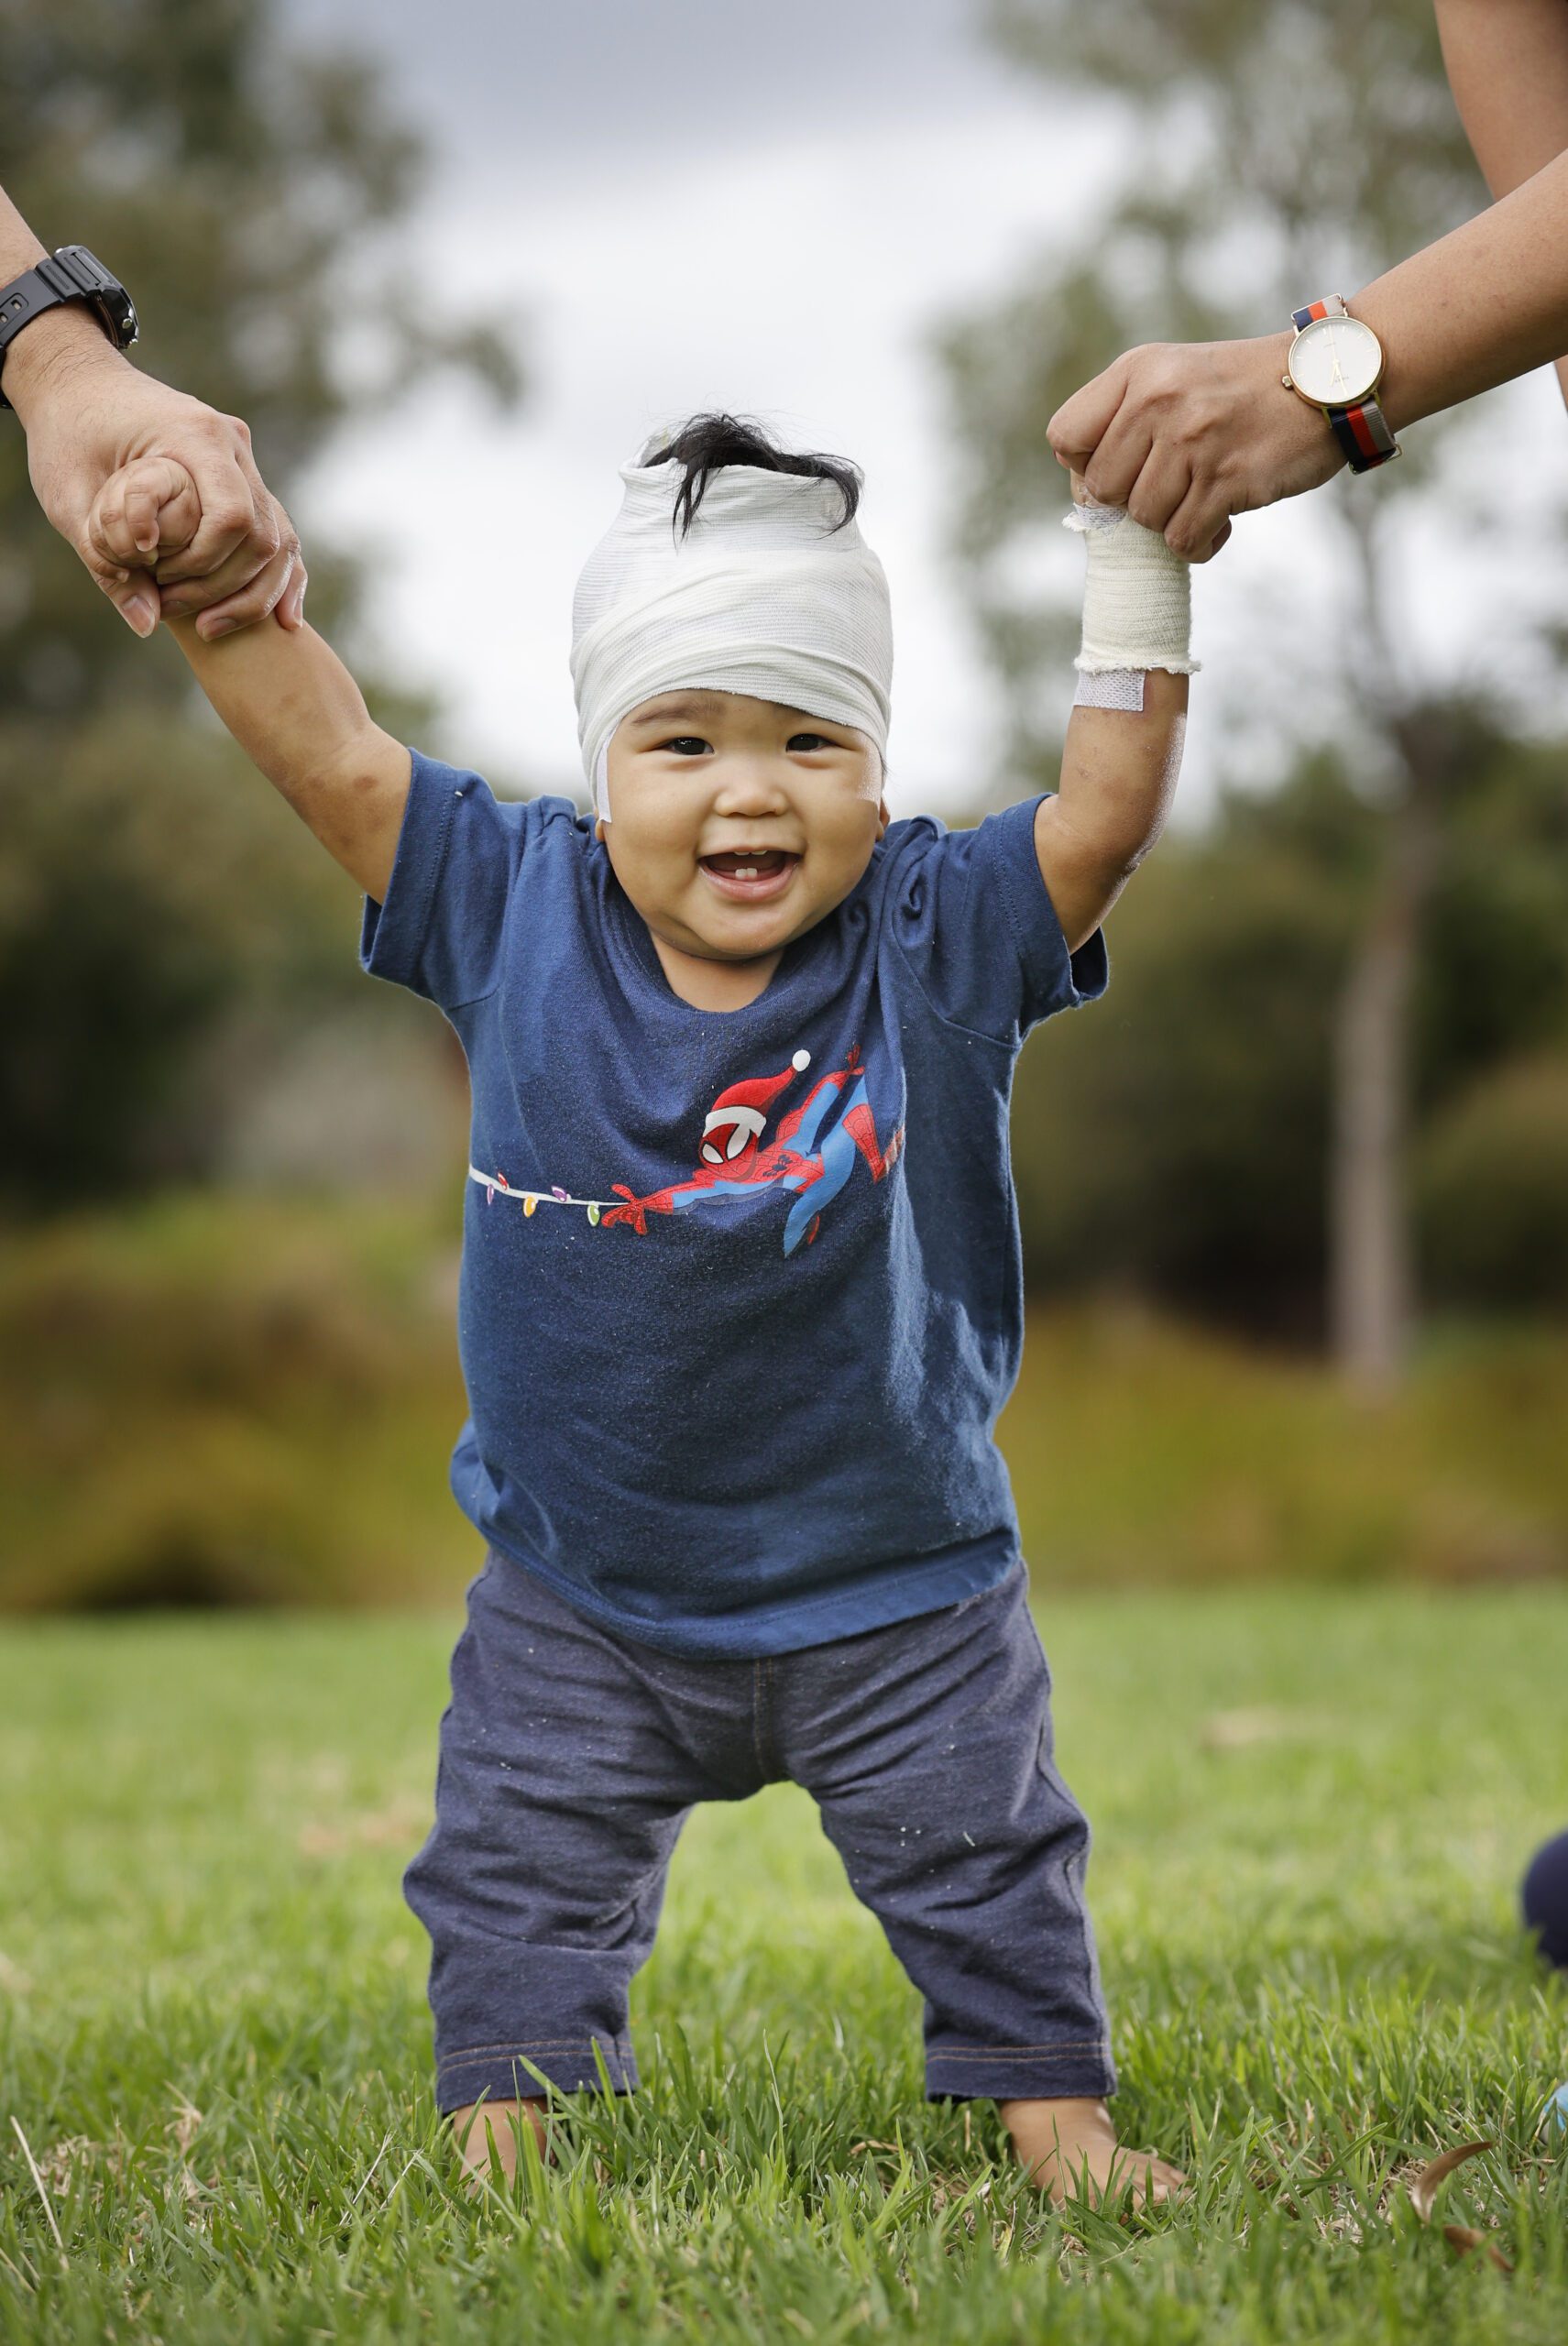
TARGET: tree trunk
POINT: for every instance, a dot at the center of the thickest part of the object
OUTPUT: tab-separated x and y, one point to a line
1372	1286
1372	1277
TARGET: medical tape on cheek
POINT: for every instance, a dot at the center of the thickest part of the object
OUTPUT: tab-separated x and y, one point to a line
1138	608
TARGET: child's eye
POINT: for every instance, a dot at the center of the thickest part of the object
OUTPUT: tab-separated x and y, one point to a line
804	743
686	745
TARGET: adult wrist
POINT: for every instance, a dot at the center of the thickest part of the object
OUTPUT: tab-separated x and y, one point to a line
1400	394
56	350
1336	363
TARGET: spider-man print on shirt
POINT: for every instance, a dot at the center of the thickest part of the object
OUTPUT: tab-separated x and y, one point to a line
813	1151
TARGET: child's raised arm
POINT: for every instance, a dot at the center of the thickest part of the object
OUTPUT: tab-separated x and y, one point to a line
1123	752
283	693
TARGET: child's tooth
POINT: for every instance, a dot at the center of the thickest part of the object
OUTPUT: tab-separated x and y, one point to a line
745	871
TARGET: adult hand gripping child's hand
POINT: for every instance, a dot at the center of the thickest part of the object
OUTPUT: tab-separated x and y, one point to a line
150	509
238	559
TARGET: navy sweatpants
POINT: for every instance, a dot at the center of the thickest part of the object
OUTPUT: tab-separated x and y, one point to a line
570	1757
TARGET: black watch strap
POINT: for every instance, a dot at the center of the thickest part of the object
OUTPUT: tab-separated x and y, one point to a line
71	274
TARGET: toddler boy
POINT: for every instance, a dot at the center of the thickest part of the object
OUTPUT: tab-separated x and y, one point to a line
741	1296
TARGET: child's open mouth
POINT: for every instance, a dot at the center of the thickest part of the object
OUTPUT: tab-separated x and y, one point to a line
751	875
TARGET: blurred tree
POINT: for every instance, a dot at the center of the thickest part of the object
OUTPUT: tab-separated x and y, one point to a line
1492	1180
247	192
1281	150
1174	1140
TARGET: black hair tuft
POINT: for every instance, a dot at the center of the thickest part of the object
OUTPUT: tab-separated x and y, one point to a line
705	444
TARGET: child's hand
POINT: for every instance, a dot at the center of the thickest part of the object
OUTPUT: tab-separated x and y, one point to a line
149	508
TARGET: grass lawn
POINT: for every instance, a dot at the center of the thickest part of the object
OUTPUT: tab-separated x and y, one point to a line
1311	1809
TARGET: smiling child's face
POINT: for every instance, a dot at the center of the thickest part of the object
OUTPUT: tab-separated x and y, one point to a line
738	824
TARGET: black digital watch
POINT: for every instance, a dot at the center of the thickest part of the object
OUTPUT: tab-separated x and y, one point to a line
73	275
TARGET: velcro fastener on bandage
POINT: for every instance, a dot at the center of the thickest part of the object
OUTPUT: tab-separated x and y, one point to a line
1137	597
1120	688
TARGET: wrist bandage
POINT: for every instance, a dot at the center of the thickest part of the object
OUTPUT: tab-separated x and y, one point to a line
763	595
1138	608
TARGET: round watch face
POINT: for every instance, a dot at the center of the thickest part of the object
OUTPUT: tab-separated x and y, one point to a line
1335	361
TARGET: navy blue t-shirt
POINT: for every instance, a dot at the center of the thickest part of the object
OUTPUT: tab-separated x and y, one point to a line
741	1294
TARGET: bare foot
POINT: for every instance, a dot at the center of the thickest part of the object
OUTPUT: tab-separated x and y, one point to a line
1069	2148
479	2124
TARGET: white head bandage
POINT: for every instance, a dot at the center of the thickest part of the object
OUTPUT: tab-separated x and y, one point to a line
763	595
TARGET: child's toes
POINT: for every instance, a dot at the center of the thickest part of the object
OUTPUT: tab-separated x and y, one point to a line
1133	2178
1144	2178
1162	2181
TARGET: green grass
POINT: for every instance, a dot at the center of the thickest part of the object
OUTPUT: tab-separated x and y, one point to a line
1311	1809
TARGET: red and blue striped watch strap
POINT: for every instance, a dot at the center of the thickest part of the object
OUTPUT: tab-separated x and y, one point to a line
1361	430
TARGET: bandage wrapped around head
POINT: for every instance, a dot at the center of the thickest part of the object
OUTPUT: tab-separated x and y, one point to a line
770	592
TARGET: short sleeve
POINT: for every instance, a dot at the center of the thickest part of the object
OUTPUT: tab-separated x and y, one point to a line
440	930
977	925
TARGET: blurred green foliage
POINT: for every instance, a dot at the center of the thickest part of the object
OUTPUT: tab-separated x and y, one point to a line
156	901
224	1400
216	1400
1493	1202
1172	1138
1143	1453
151	901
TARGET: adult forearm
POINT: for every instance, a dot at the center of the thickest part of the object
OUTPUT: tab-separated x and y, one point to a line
41	358
19	246
1508	67
1487	303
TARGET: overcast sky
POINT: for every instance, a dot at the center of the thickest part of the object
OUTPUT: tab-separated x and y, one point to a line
510	90
691	204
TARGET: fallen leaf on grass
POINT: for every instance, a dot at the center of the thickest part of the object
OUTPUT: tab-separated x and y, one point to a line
1462	2238
1425	2188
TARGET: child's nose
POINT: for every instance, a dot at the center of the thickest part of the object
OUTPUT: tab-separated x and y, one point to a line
748	783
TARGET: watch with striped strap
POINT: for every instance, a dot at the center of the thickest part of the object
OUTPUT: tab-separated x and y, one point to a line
1335	364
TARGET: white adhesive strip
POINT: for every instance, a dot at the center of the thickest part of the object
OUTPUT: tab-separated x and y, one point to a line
1120	688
